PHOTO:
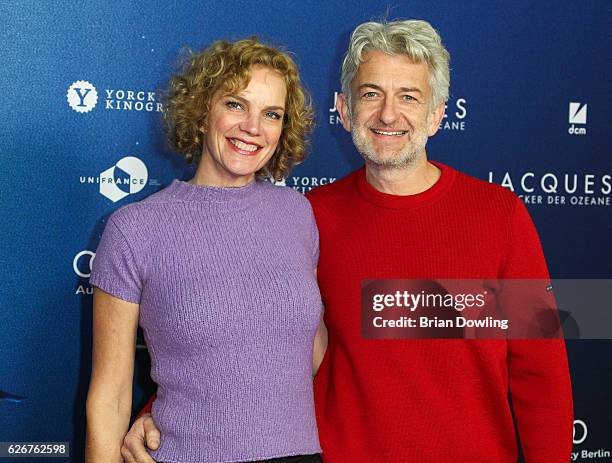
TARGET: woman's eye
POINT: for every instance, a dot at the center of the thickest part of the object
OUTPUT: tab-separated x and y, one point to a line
273	115
233	104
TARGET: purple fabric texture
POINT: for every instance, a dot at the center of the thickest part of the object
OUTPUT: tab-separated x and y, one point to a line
229	306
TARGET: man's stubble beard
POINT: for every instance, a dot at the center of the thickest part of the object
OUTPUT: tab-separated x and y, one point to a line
402	159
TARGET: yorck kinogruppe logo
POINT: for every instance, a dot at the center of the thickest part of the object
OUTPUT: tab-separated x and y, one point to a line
82	96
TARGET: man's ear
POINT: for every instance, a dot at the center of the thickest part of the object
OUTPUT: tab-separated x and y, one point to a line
343	111
435	118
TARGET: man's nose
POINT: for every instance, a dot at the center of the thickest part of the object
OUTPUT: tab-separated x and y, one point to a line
388	112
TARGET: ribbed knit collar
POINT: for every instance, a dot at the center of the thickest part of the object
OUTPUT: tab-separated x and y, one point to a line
436	191
225	197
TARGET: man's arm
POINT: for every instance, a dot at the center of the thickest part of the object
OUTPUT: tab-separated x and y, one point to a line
539	379
143	432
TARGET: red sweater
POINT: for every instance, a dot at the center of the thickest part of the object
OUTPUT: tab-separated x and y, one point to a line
432	400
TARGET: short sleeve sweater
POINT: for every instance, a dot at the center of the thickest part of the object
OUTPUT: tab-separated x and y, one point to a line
229	307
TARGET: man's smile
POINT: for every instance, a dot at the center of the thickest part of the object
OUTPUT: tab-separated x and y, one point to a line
389	133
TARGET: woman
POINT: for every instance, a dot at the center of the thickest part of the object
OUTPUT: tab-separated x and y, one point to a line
219	271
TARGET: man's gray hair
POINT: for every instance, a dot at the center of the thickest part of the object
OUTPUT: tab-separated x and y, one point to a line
414	38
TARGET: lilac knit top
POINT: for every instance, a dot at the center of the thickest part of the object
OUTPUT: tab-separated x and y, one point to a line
229	306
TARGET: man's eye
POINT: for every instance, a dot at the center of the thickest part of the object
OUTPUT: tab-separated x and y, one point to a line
273	115
409	98
233	104
370	95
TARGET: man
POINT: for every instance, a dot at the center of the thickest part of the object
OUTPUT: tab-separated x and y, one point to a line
404	217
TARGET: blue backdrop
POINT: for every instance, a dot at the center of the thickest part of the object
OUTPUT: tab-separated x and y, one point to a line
529	109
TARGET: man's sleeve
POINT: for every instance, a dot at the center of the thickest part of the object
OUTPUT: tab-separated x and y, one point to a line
147	407
539	379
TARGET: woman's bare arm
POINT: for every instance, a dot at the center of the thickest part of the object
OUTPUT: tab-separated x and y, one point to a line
320	346
109	400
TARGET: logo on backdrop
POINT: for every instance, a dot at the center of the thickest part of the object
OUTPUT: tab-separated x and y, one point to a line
580	432
577	115
579	436
81	264
128	176
557	188
83	97
282	182
454	116
334	118
303	184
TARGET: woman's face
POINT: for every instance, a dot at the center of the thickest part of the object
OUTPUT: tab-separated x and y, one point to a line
243	129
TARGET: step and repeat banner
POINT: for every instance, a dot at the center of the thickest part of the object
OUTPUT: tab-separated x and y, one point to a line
529	109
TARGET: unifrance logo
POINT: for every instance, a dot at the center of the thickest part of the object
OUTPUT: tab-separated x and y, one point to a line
128	176
82	96
577	115
454	116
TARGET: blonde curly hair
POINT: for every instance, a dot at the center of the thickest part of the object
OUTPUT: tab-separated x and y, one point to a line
227	65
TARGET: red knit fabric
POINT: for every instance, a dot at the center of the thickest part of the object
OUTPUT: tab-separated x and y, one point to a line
432	400
148	406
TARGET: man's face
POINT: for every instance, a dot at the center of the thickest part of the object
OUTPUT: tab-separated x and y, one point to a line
391	116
